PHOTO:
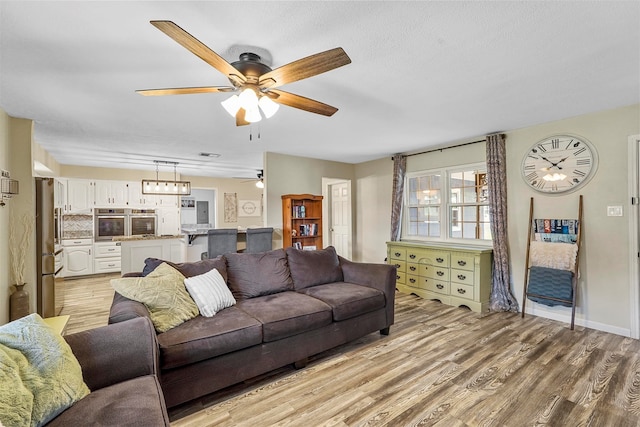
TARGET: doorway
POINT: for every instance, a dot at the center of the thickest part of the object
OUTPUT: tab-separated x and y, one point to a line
338	230
634	232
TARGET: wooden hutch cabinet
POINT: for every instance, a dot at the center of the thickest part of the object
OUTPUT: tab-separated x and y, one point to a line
302	221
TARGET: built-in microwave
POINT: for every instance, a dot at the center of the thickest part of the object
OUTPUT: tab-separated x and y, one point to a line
110	223
142	222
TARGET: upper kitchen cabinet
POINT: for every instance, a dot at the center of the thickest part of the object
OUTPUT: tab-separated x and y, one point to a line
60	193
78	196
111	193
139	200
169	201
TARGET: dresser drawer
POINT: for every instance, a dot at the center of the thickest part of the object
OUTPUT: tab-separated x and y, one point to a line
462	276
462	291
400	278
397	253
417	281
400	265
416	254
419	269
462	262
440	259
438	286
439	273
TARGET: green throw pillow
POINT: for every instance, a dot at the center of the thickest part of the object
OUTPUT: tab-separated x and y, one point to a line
164	295
39	375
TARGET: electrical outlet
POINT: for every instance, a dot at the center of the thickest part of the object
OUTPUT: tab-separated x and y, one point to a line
614	210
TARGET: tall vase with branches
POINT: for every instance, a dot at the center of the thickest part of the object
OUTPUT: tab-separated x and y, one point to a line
18	247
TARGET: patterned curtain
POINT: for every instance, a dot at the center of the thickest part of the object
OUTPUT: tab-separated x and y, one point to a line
399	169
502	298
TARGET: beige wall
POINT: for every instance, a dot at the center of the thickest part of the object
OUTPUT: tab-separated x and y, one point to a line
298	175
15	146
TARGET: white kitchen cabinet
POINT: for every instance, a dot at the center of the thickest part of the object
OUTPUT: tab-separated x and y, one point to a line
139	200
168	221
111	194
79	196
60	193
106	257
167	201
135	251
78	257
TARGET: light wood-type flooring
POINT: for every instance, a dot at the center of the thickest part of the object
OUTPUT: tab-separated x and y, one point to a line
439	366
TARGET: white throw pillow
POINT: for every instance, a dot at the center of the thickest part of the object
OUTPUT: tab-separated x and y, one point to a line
210	292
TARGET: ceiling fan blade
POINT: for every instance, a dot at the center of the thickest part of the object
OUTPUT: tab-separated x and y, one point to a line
240	121
305	67
297	101
199	49
185	90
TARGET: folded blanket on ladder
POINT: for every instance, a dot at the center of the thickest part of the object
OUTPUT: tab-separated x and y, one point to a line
550	282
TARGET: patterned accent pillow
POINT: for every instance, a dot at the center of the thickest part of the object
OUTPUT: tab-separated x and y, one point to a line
40	376
164	295
210	292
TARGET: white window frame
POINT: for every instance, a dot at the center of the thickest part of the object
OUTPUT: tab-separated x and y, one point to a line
445	204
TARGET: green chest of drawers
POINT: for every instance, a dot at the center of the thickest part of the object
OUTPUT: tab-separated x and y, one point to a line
457	275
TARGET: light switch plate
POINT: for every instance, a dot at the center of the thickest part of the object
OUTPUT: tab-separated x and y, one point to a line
614	210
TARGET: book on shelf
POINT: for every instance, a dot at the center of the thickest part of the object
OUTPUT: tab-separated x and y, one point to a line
299	211
309	229
309	248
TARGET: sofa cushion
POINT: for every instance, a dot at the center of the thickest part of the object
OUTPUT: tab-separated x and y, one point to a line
138	402
311	268
347	300
253	275
206	337
286	313
189	269
210	292
163	293
40	376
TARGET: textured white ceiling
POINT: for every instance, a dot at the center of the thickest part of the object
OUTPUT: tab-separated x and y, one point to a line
423	74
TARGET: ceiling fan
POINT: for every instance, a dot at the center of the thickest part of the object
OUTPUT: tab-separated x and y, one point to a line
255	81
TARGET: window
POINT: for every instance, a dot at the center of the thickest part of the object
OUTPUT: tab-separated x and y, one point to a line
462	214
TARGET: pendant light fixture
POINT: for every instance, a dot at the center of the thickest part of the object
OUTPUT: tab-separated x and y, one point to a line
166	187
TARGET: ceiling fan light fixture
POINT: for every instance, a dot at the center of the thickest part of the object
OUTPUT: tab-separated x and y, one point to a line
248	99
268	107
260	184
232	105
253	115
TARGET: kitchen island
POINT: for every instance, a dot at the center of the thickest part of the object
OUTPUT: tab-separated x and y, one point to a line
135	249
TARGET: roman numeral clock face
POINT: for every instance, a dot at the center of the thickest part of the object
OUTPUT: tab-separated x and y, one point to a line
559	164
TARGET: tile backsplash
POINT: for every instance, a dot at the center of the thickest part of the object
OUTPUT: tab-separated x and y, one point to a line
77	226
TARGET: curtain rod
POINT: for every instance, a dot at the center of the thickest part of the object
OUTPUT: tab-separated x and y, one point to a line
445	148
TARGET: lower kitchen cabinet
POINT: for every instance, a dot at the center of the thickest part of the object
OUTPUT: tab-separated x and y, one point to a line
454	274
78	257
106	257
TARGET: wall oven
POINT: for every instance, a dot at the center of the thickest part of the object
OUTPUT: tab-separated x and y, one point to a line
142	222
110	223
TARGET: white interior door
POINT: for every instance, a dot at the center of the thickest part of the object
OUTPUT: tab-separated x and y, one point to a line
340	218
634	232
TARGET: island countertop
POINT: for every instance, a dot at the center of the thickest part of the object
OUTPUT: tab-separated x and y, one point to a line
146	237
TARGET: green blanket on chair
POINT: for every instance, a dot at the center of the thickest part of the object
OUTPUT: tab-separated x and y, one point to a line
39	375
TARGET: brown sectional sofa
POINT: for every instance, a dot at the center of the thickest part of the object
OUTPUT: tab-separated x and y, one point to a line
291	304
119	365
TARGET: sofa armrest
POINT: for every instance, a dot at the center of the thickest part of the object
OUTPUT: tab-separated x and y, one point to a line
115	353
122	308
378	276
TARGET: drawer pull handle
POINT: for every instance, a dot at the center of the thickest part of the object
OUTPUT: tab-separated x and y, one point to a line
412	256
397	277
397	253
397	265
440	273
412	268
111	265
462	263
439	286
461	276
440	260
412	280
461	291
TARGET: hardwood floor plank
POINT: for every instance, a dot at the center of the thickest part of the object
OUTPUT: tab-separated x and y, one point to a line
440	366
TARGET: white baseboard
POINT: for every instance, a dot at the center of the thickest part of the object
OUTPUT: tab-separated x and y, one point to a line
566	318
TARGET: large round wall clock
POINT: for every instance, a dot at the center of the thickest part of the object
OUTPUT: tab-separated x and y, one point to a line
559	164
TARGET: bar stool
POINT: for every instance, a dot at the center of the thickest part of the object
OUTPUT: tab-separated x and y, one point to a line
259	240
222	241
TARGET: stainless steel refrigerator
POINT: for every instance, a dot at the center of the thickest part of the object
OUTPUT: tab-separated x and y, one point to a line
47	249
